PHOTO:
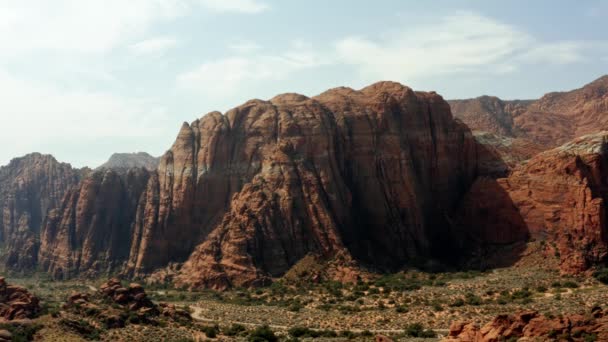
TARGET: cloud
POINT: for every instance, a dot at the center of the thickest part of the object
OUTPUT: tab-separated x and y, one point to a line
228	76
41	115
244	6
464	42
460	42
92	26
79	26
156	45
244	47
565	52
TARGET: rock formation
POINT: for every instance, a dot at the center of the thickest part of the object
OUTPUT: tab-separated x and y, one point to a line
382	177
29	187
115	305
16	302
368	175
532	326
548	122
490	114
558	196
125	161
89	233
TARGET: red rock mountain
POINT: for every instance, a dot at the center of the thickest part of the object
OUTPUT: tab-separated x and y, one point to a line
29	188
558	196
369	174
382	177
89	232
549	121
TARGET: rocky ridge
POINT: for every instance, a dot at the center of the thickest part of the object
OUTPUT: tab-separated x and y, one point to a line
532	326
548	122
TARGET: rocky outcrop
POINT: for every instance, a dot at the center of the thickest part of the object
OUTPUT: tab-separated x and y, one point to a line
29	188
497	154
125	161
547	122
490	114
558	197
16	302
369	175
115	306
532	326
89	233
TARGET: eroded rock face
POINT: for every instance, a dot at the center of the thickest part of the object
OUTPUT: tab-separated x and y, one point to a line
547	122
490	114
530	325
16	302
115	306
29	188
368	175
558	197
90	232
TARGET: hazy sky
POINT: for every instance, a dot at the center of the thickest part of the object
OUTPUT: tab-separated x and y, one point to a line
81	79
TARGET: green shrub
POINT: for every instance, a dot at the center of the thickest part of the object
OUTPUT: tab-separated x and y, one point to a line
417	330
570	284
262	334
234	330
602	275
458	302
210	331
472	299
22	332
401	309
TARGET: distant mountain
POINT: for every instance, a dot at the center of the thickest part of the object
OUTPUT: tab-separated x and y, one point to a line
549	121
131	160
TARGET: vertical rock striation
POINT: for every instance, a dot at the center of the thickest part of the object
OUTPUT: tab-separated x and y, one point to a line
369	175
89	233
29	188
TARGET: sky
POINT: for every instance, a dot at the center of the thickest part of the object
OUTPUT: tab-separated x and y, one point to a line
82	79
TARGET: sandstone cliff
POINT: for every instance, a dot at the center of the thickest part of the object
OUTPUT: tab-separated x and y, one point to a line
548	122
558	196
368	175
89	233
29	188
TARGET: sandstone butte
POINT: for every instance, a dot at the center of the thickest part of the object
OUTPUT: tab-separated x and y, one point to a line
380	177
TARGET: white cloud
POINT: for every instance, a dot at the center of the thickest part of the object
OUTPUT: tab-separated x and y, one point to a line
228	76
463	42
79	26
244	47
245	6
560	52
93	26
460	42
36	115
156	45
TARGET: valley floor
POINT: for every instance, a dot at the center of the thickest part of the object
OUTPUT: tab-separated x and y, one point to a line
391	305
